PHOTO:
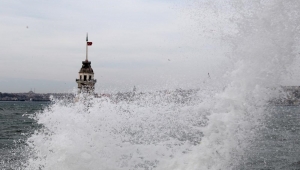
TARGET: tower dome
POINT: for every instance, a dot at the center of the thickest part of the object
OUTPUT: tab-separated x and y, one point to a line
86	67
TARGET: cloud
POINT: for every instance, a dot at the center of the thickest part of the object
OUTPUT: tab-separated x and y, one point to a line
134	43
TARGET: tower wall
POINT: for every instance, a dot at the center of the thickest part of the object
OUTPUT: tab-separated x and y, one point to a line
86	81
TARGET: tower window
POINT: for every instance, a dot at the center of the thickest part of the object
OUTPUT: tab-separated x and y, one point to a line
84	77
90	77
80	77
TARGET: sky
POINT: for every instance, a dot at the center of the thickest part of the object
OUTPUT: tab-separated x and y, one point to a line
148	44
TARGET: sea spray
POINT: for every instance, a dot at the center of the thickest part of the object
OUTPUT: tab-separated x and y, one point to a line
213	128
136	134
263	50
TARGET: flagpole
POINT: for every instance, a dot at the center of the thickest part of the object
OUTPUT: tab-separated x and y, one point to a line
86	52
86	47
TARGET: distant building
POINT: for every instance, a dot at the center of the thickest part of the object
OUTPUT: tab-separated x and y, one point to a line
86	81
30	92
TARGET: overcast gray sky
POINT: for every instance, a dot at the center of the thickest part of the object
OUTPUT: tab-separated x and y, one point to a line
147	44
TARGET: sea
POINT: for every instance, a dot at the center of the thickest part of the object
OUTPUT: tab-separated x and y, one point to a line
49	135
228	123
15	126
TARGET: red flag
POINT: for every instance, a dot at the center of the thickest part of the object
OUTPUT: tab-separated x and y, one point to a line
89	43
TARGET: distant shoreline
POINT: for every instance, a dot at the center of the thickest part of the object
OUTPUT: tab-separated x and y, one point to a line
32	97
290	96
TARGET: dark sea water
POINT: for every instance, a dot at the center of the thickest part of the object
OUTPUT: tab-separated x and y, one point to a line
15	127
277	144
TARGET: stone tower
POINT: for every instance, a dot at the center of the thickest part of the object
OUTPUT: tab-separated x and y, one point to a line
86	82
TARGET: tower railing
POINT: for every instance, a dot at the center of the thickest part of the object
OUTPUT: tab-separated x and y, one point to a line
92	80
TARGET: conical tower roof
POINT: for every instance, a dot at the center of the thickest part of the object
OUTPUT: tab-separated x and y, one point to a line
86	67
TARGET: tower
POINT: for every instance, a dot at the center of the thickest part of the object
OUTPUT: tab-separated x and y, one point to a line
86	82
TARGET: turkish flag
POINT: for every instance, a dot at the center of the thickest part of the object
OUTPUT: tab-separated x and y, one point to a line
89	43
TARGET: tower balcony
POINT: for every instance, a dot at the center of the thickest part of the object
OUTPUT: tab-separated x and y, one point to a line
92	81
